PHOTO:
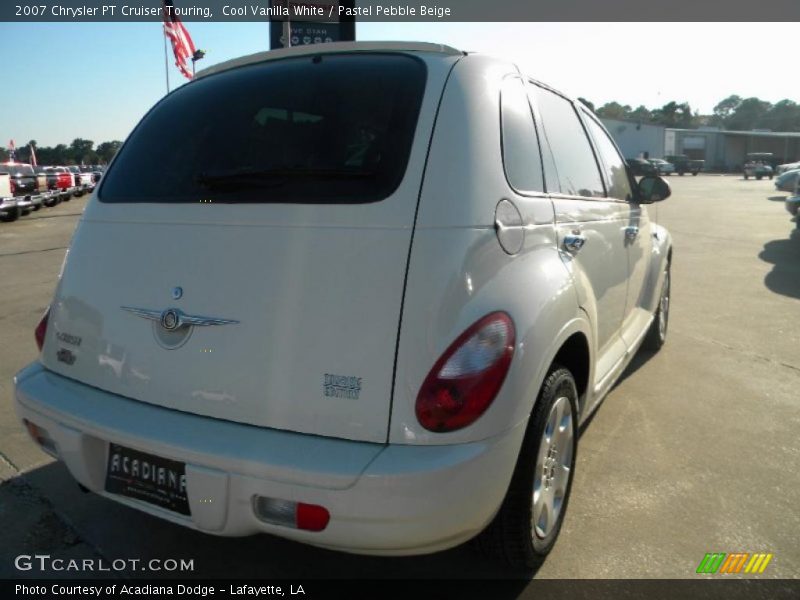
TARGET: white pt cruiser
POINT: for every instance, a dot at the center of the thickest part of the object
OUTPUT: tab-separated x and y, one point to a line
359	295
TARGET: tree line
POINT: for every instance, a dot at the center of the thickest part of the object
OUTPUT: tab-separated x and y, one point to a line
734	113
79	152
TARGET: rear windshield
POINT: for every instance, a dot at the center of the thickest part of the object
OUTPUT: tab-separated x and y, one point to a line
318	129
16	169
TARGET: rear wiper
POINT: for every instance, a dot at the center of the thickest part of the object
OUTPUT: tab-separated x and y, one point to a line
257	176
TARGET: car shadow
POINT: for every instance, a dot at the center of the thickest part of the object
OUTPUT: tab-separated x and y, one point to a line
784	255
98	526
778	198
641	358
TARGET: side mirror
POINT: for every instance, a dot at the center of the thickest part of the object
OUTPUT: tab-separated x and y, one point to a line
652	188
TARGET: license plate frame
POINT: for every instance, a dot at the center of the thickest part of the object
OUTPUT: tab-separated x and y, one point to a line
147	477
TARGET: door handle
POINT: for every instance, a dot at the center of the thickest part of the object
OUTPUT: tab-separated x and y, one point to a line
573	243
631	233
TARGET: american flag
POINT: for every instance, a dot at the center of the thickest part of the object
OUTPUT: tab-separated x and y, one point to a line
182	45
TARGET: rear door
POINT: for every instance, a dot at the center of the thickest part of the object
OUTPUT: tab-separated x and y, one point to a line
246	253
590	226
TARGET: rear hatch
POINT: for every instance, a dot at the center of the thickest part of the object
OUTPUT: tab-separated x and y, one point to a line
246	254
23	177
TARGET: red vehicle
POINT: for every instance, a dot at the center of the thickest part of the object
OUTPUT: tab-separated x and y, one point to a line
65	181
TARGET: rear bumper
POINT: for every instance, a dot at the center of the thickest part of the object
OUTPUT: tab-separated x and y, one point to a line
7	204
383	499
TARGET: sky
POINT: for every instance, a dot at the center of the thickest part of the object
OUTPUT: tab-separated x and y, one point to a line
96	80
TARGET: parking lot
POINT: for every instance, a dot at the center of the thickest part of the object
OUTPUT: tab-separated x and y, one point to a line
695	450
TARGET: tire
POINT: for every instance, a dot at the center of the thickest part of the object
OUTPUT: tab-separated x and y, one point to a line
25	212
746	176
770	177
512	535
682	173
657	334
758	177
36	207
694	174
11	216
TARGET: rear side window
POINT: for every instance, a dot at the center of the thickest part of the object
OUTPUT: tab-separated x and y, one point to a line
317	129
521	157
619	186
578	174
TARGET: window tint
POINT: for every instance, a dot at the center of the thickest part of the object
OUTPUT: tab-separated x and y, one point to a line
521	158
619	186
578	174
314	129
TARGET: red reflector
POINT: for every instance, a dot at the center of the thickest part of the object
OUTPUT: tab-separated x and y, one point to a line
311	517
41	329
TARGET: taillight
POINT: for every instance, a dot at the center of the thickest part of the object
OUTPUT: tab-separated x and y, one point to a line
287	513
41	329
465	380
13	186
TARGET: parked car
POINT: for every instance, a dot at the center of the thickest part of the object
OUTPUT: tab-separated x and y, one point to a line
793	204
758	165
65	182
83	180
787	181
89	175
46	186
787	167
683	164
664	167
23	186
9	211
361	393
640	166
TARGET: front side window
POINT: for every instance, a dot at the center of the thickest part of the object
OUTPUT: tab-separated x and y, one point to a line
619	185
574	159
331	128
521	157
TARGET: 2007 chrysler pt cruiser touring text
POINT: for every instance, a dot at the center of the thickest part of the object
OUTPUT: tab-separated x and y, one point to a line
373	321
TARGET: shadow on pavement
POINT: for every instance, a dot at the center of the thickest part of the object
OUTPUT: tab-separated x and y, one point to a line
639	359
778	198
75	524
785	256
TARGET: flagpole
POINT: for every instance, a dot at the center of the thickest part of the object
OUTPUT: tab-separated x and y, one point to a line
166	60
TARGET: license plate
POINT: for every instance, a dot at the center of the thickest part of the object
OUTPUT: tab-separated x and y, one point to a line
152	479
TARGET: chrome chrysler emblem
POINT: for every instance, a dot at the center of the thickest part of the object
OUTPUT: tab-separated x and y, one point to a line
170	319
177	293
173	318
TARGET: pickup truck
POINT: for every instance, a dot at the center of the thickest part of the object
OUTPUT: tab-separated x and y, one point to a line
9	211
684	164
23	186
84	182
65	182
46	186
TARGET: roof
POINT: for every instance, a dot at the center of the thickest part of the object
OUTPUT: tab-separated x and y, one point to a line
328	48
